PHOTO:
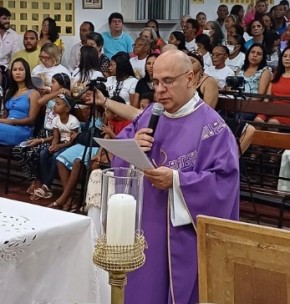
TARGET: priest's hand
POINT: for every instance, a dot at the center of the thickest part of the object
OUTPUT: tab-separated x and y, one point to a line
161	178
144	139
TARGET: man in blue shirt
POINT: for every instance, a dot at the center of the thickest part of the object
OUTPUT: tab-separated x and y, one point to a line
116	40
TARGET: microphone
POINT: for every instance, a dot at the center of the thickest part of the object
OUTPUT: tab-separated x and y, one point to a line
157	109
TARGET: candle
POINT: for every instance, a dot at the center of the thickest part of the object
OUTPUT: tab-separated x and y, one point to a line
121	219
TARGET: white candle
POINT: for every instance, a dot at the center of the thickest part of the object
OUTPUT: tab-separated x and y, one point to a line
121	219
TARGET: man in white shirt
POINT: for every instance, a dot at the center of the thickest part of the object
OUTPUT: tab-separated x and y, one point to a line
74	59
8	44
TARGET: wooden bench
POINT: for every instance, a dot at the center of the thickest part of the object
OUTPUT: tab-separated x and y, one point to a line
260	176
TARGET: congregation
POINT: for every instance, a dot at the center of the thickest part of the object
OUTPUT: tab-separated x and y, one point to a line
47	118
249	42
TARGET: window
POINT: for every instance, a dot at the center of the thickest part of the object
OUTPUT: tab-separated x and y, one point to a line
29	14
162	9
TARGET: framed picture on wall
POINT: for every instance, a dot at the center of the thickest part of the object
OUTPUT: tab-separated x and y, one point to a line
93	4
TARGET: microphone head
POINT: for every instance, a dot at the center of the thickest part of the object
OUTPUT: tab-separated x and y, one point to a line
157	109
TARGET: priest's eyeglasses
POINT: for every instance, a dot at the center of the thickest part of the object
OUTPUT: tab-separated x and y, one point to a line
166	82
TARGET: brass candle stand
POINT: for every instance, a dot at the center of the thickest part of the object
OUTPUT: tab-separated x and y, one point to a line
118	260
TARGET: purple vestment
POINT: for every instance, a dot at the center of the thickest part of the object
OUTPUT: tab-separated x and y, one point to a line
204	151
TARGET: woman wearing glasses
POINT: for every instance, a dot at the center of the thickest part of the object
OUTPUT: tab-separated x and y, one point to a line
219	70
50	58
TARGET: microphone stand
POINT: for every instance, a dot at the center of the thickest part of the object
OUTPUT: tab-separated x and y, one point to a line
91	86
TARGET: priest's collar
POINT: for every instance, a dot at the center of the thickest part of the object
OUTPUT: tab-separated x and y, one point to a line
187	109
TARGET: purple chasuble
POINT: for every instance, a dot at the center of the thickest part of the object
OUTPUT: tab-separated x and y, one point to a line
204	151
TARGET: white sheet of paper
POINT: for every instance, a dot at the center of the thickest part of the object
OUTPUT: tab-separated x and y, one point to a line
127	149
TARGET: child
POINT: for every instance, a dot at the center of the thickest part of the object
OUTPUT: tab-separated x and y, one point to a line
29	156
64	126
115	125
70	162
146	99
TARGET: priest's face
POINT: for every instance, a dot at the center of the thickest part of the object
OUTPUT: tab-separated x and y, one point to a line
173	80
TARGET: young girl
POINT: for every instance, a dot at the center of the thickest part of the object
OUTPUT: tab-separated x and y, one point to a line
115	124
64	125
28	156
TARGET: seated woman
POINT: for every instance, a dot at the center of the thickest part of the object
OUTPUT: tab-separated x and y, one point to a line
144	85
150	34
279	86
29	156
256	74
204	48
21	106
153	23
219	70
122	82
205	85
215	33
50	58
49	34
96	40
256	30
235	45
177	38
89	69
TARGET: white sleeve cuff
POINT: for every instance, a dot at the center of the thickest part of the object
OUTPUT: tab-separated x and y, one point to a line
178	212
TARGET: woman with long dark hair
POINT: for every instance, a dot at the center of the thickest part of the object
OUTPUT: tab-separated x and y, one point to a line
49	34
177	38
122	82
28	154
256	73
144	85
21	105
89	68
96	40
279	86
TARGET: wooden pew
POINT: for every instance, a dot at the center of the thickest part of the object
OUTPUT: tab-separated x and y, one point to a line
259	185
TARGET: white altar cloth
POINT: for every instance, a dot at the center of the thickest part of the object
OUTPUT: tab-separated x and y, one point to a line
45	255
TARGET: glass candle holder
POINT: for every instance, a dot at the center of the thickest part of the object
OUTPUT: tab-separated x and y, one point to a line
121	208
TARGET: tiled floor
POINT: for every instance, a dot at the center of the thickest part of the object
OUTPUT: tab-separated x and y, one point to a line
17	191
268	215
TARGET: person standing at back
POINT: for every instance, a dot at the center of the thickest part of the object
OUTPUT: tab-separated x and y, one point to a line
116	40
74	59
222	12
8	45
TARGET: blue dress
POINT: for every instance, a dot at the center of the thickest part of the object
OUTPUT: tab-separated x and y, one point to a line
18	108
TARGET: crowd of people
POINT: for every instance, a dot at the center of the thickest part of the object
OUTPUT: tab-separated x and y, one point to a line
193	148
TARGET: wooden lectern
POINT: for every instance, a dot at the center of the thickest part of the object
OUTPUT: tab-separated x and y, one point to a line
241	263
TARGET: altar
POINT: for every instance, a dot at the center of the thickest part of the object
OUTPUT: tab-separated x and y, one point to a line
45	255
